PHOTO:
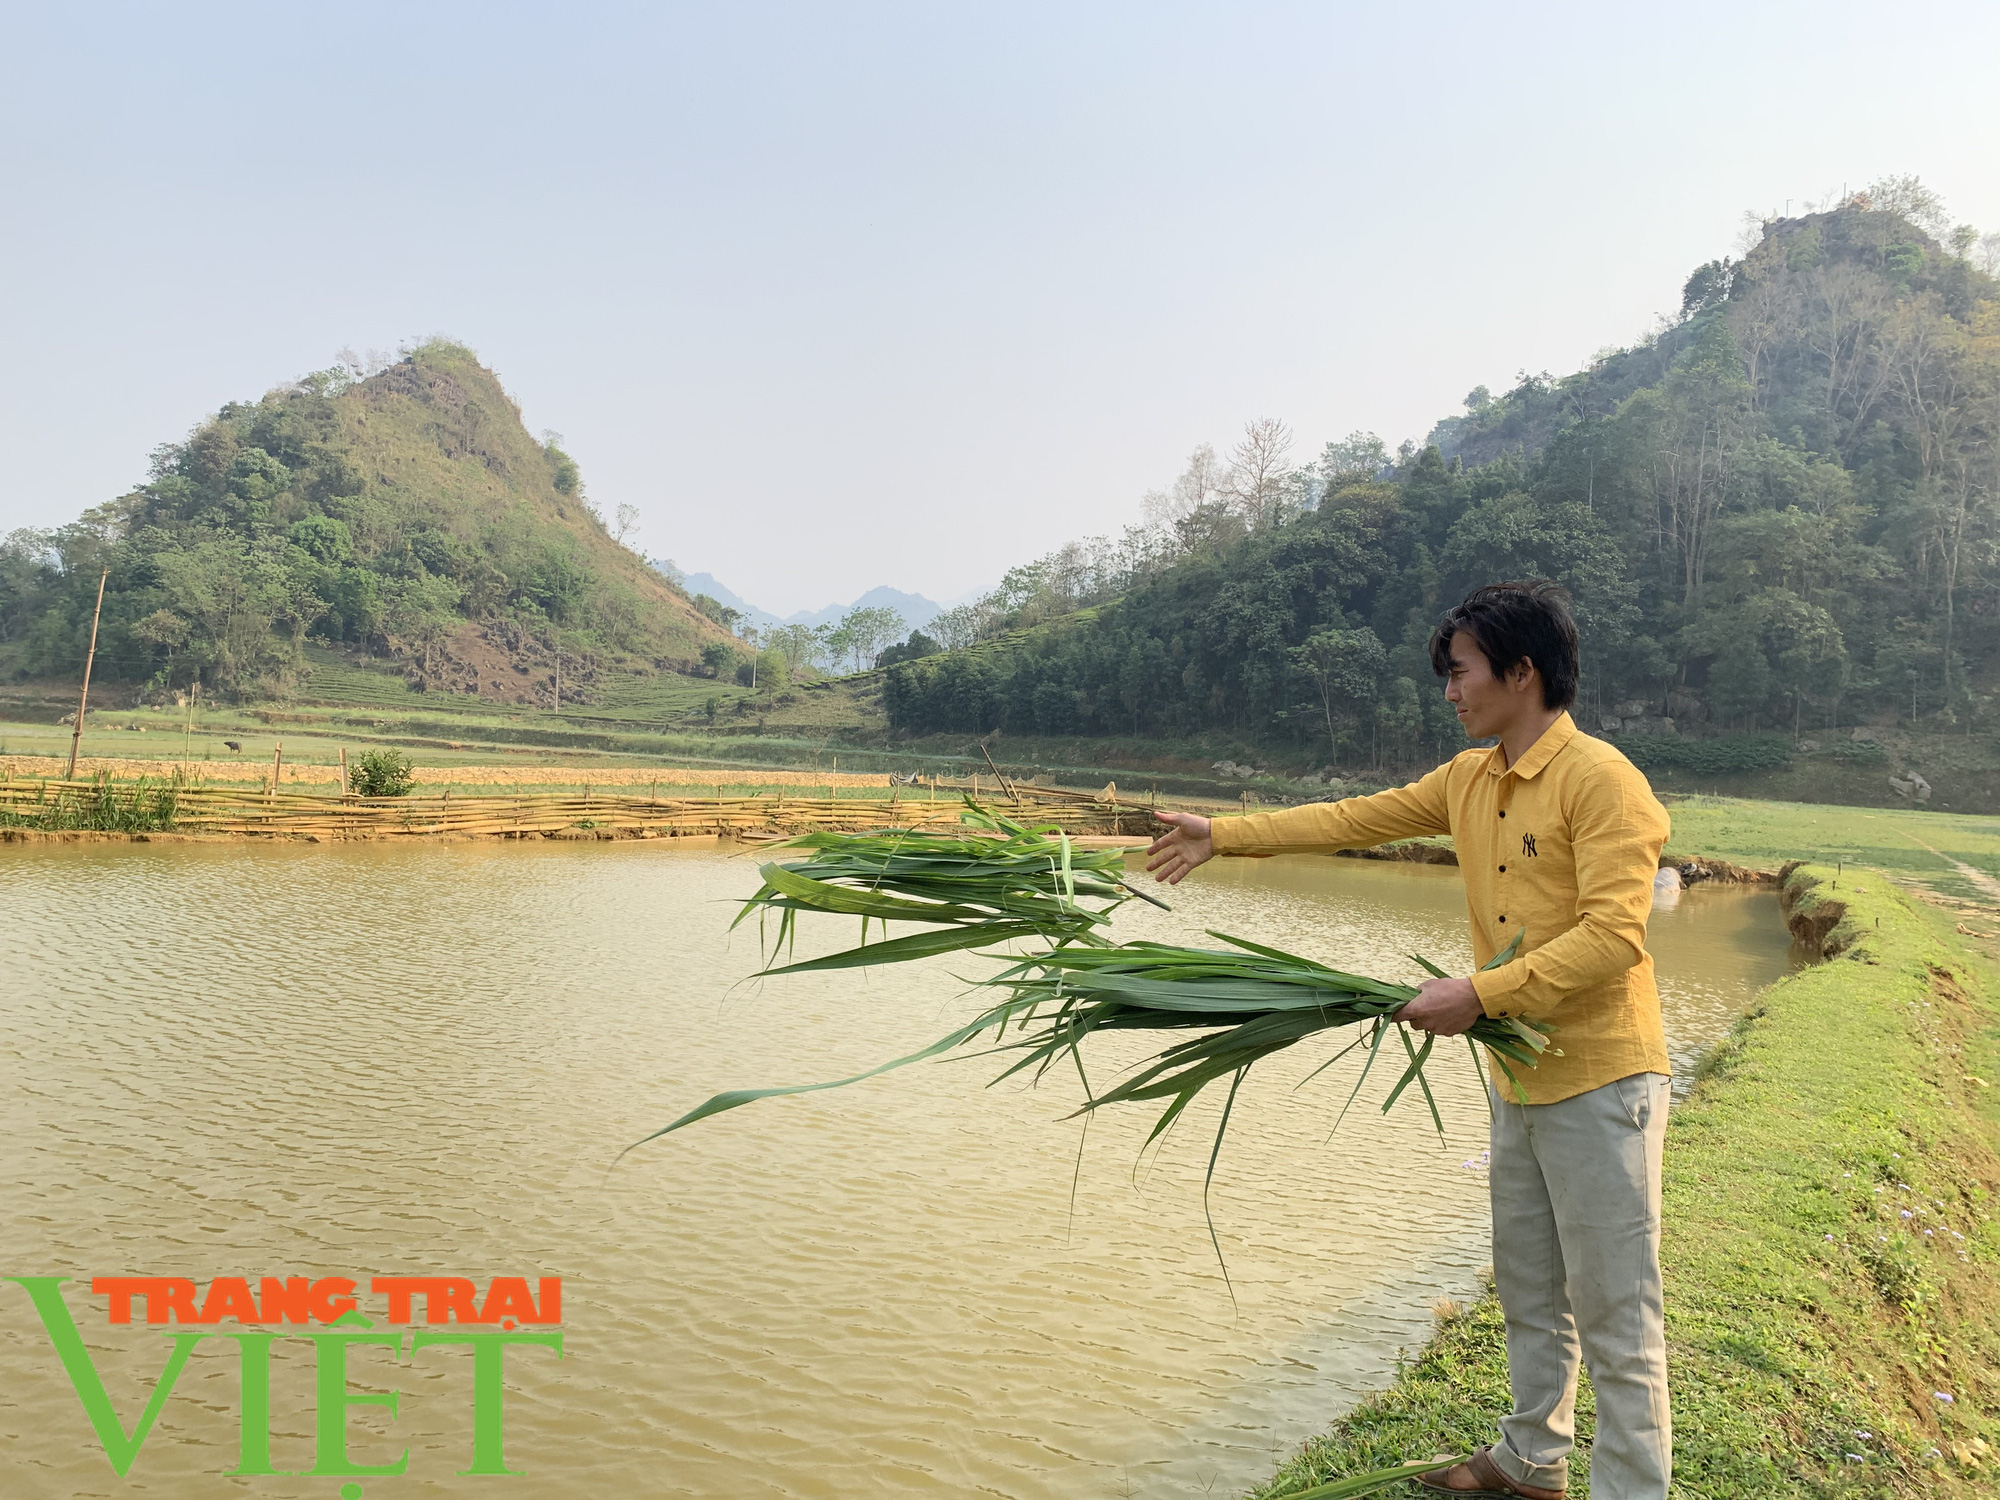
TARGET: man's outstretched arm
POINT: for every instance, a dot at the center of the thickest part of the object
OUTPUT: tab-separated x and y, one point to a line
1403	812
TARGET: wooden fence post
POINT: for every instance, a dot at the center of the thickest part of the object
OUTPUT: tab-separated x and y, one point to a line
343	771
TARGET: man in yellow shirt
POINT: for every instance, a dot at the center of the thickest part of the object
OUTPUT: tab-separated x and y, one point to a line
1558	837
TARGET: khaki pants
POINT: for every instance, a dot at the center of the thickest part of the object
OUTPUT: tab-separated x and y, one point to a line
1576	1259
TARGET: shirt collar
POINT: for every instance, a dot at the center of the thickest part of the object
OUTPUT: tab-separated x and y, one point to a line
1539	754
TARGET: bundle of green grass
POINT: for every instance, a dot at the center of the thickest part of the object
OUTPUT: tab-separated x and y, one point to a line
995	881
991	883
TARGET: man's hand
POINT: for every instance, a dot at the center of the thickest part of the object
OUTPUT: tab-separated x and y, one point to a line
1443	1007
1184	845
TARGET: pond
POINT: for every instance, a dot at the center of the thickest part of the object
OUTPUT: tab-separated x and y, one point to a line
373	1060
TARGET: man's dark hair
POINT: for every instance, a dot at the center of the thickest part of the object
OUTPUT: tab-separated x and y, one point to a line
1515	620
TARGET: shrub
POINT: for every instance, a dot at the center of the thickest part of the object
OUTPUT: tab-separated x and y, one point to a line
381	773
720	659
1717	757
1856	752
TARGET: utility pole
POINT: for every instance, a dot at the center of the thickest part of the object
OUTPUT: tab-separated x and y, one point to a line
83	699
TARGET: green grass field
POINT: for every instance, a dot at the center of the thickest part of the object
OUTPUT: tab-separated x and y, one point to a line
1914	845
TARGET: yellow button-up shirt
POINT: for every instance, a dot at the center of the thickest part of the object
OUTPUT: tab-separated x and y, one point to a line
1564	845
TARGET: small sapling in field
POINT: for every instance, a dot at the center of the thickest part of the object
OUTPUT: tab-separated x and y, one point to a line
381	773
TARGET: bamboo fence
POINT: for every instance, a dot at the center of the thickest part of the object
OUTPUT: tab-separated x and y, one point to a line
590	814
255	771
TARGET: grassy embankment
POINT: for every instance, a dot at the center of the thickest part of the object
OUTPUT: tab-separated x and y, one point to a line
1831	1251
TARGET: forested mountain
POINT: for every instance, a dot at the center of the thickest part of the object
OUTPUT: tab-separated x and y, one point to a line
406	512
1782	512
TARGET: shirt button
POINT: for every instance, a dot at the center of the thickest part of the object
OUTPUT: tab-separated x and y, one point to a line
1503	813
1503	919
1503	869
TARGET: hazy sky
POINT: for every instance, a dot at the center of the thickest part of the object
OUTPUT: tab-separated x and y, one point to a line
841	295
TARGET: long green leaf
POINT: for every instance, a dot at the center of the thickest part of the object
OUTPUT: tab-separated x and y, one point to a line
915	945
1357	1485
737	1098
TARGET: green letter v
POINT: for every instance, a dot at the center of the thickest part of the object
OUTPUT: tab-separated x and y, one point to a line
61	1327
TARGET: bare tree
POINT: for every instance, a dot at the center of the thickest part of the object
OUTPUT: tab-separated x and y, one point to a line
628	517
1845	308
1201	483
1692	429
1954	418
1921	353
1259	471
956	628
1762	315
1907	198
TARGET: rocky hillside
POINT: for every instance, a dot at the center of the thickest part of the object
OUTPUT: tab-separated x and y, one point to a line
406	515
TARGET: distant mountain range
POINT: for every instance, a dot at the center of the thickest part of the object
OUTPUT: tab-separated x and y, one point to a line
916	610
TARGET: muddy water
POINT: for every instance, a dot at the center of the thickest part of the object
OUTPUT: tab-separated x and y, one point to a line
229	1060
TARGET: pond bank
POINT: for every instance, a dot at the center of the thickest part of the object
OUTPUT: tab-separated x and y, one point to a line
74	811
1831	1252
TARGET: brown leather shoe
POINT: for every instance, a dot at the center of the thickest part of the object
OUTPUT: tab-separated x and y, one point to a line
1479	1478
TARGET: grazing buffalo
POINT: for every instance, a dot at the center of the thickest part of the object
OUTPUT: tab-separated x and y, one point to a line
233	744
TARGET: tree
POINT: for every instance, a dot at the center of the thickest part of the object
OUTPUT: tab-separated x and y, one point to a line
802	646
714	609
563	472
957	628
381	773
1259	471
917	646
1708	287
861	633
1201	483
422	612
1844	307
1686	438
1360	456
1345	668
719	657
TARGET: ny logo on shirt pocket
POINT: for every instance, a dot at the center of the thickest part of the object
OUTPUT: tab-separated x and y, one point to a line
1528	845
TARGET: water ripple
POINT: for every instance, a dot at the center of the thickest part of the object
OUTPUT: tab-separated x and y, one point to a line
377	1060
